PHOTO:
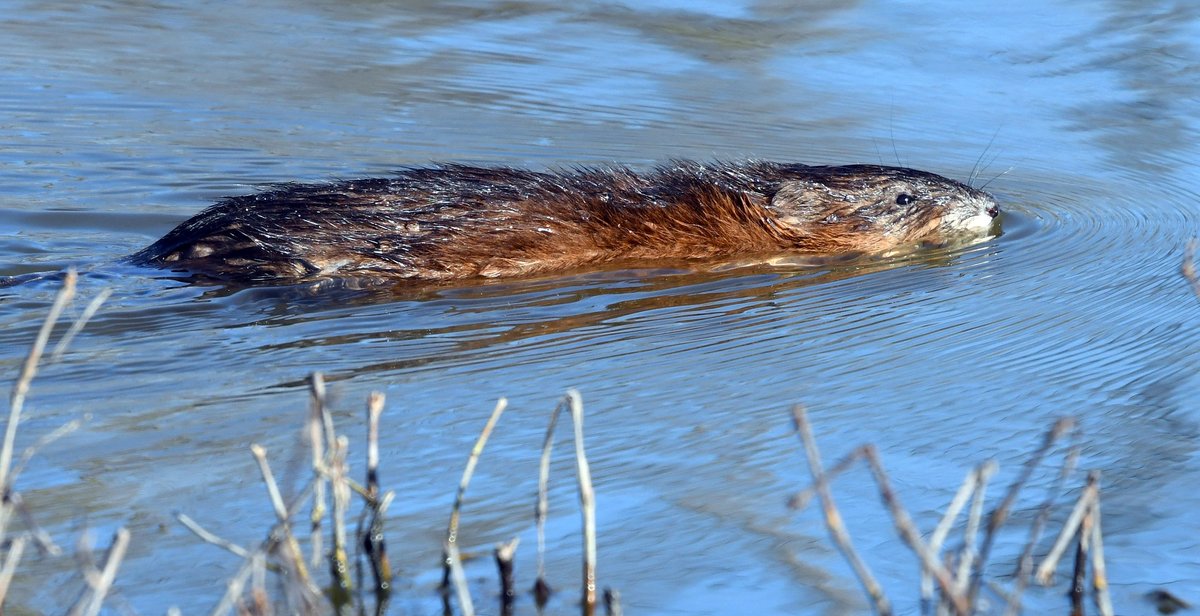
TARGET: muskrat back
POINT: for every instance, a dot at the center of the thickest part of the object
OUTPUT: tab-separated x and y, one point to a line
458	221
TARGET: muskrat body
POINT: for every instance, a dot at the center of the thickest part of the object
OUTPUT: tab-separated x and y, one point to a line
457	221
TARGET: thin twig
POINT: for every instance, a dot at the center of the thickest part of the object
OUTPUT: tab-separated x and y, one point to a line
88	312
967	556
587	504
209	537
15	549
973	482
472	460
801	499
1025	563
908	531
29	368
833	518
116	553
1000	514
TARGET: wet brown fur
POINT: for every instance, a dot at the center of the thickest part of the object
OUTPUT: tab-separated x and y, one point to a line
457	221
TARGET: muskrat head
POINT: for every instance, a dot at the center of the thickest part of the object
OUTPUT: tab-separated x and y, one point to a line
875	209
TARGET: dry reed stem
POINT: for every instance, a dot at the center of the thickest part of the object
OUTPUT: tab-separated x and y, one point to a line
1086	500
1000	514
103	583
275	537
973	483
908	531
541	589
833	518
15	550
458	578
16	400
339	559
42	442
295	557
316	439
1025	563
472	460
76	327
1079	575
587	504
374	411
967	555
1099	570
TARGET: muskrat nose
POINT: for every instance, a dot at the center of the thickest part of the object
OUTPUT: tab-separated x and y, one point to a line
993	211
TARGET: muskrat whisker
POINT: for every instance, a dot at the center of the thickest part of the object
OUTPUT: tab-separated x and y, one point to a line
976	170
996	177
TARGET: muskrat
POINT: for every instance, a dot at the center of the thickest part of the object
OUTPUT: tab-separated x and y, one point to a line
457	221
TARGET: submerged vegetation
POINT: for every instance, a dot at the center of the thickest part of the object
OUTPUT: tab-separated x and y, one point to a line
319	556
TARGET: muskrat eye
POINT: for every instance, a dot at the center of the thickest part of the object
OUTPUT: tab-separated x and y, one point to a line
904	199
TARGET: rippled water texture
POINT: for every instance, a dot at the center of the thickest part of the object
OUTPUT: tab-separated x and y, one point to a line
120	119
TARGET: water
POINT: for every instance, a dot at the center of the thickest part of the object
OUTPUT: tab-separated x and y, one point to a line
118	120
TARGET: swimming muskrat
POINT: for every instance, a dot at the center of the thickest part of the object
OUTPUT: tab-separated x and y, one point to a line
457	221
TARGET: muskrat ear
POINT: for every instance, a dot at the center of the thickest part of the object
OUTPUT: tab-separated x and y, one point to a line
800	199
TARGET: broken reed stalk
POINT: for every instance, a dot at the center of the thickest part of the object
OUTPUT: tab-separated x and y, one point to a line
316	439
101	581
833	518
373	541
587	504
472	460
541	590
504	554
1000	514
612	602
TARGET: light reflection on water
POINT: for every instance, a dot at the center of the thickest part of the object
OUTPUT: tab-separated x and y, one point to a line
120	120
